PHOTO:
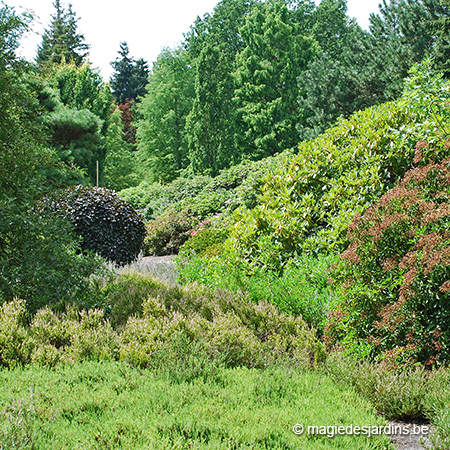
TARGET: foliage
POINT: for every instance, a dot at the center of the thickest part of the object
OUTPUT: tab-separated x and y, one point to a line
120	163
62	43
302	289
213	43
75	135
95	405
38	253
206	240
150	317
166	234
397	271
308	203
82	88
162	142
129	78
266	79
107	224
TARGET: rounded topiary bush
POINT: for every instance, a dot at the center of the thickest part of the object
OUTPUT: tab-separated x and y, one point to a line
108	225
396	273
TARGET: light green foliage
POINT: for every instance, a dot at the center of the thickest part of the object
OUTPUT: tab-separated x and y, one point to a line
308	203
266	79
150	318
120	163
82	88
95	405
214	42
14	342
302	289
162	141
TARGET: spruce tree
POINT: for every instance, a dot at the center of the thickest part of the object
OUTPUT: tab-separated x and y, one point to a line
130	77
61	42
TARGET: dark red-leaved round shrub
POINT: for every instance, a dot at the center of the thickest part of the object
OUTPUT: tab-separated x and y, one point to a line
108	225
396	274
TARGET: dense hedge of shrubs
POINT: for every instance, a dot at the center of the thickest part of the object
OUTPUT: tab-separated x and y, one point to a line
396	272
107	224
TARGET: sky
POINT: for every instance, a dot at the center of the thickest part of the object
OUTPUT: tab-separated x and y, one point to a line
146	25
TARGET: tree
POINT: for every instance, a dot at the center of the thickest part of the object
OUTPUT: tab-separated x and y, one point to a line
162	142
266	75
61	42
119	169
439	25
399	37
130	77
78	118
337	81
211	127
38	253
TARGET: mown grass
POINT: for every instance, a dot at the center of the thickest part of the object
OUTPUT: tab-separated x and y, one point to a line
109	405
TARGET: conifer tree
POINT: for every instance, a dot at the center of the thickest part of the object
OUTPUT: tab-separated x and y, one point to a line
130	77
266	80
61	42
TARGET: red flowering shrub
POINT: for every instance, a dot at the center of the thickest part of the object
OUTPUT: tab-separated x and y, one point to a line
396	273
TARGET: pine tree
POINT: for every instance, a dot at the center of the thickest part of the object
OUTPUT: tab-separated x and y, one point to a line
61	42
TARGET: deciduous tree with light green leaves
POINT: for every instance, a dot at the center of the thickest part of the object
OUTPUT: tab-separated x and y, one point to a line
162	141
266	75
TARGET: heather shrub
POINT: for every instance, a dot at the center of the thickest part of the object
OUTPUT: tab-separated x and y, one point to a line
107	224
15	346
222	324
123	296
71	337
396	273
166	234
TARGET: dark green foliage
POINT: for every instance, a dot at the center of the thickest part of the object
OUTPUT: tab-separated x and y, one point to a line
440	25
61	42
266	75
166	234
38	253
213	43
129	78
107	224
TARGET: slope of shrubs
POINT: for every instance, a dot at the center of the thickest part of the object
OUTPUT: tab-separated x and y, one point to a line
177	209
308	203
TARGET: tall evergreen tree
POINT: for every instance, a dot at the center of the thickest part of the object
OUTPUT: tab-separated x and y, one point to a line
61	42
266	80
130	77
440	26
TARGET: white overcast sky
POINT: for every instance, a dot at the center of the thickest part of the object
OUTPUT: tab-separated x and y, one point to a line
146	25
